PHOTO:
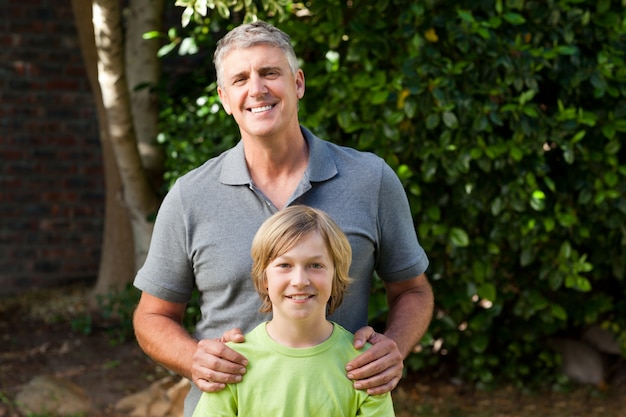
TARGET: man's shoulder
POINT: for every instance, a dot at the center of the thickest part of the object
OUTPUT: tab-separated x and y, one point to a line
210	168
343	156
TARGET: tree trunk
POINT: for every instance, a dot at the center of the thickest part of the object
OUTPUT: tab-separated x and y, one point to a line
143	69
138	196
117	263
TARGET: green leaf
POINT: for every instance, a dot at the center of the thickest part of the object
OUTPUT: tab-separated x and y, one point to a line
559	312
166	49
612	147
578	282
450	120
526	96
479	342
380	97
549	183
568	155
578	136
458	237
566	49
466	16
153	34
514	18
434	213
611	179
432	121
496	206
537	202
566	250
223	10
516	153
527	256
555	281
487	291
186	16
188	47
200	6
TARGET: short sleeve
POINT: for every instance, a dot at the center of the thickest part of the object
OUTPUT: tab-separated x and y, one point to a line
400	256
217	404
167	271
377	406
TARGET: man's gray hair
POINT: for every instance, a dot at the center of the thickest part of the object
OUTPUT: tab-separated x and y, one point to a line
249	35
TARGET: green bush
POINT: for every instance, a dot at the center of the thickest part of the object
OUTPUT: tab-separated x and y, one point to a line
505	120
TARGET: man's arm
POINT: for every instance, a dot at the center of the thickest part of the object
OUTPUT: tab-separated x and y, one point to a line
210	364
379	369
411	305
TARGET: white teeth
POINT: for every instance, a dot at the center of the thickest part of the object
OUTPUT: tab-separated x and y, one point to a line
299	297
260	109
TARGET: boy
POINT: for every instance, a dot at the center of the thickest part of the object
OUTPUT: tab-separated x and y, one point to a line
300	270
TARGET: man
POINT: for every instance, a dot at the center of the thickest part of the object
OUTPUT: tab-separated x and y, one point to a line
205	226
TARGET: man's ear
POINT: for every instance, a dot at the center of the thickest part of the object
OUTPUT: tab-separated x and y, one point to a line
224	100
300	83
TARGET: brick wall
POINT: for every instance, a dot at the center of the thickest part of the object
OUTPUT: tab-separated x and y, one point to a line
51	180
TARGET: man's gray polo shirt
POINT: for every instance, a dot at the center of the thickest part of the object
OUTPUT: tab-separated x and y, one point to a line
206	223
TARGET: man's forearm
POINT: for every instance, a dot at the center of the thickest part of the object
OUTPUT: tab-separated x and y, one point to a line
166	342
410	313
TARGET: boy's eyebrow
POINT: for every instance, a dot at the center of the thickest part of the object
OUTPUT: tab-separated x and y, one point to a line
308	258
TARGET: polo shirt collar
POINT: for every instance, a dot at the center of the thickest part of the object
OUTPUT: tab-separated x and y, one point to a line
321	166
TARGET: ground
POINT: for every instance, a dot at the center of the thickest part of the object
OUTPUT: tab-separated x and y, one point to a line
37	338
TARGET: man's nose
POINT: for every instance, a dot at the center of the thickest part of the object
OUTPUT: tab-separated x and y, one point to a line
257	86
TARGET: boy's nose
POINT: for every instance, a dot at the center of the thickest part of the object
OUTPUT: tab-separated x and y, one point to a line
299	278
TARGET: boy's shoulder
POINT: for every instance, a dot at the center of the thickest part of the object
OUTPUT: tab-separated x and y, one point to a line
347	337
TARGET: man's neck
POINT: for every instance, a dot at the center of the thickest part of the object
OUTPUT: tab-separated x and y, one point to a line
276	167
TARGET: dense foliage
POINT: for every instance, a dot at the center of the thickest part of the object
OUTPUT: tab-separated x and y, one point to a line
506	122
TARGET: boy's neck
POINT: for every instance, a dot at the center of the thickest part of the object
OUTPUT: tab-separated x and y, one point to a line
299	334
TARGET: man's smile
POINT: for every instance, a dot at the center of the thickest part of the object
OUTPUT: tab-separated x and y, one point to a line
261	109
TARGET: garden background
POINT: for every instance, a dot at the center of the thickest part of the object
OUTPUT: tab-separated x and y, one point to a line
505	121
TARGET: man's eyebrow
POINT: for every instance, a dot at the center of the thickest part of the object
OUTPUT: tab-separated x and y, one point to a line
262	70
242	74
270	68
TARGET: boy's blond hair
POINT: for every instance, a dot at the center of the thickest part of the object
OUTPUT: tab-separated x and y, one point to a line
283	231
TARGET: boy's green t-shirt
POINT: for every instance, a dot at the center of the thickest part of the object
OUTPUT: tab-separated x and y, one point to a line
288	382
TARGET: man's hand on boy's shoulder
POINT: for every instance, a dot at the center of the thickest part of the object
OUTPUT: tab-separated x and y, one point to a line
379	369
215	364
